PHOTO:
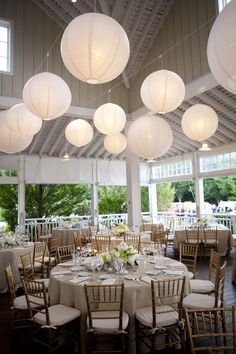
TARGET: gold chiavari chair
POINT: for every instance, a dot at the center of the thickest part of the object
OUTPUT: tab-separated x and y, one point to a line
102	243
29	271
210	240
161	238
133	240
65	253
188	255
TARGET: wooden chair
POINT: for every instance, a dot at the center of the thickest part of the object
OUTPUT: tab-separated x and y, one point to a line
210	240
147	227
211	330
65	253
133	240
102	243
39	254
193	238
164	318
52	326
148	248
107	321
78	240
29	271
207	286
161	237
194	300
188	255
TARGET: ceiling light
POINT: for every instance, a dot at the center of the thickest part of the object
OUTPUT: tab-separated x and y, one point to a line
95	48
204	147
109	118
115	143
79	132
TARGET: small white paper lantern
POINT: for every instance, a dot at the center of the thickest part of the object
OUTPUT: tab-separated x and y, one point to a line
162	91
115	143
9	141
79	132
95	48
149	137
199	122
46	95
221	48
109	118
22	122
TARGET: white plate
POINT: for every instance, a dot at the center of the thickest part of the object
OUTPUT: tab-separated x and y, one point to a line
159	267
105	276
84	274
153	272
130	277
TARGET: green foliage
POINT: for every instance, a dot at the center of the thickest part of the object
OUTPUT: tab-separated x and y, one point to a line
165	196
144	199
184	191
217	189
112	200
8	203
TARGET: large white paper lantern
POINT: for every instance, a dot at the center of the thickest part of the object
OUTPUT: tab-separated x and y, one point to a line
109	118
149	137
9	141
162	91
79	132
47	96
22	122
221	48
115	143
199	122
95	48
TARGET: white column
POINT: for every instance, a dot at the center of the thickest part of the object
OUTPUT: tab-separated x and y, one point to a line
133	189
152	192
94	203
21	194
199	191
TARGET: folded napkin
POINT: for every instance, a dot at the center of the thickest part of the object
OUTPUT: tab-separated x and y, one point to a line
174	272
79	279
109	281
61	272
146	279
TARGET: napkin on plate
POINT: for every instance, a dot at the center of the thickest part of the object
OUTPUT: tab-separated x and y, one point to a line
109	281
174	272
146	279
61	272
79	279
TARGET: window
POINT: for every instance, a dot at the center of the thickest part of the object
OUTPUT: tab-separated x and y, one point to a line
5	46
218	162
173	169
222	4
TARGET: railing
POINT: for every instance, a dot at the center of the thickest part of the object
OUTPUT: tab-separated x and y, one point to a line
44	226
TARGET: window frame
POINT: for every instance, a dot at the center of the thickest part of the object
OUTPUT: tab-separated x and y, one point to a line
8	23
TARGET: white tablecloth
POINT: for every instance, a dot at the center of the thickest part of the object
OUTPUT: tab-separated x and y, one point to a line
136	295
12	256
225	240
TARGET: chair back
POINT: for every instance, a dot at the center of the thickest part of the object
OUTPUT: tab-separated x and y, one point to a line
105	302
192	235
102	243
27	266
133	240
220	283
215	259
167	292
188	255
39	253
77	236
65	253
211	330
210	234
147	227
161	238
10	283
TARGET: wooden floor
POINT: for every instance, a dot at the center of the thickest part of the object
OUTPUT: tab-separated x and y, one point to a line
17	344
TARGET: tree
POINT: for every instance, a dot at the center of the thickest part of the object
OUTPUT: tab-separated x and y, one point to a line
8	203
217	189
184	191
165	196
112	200
144	199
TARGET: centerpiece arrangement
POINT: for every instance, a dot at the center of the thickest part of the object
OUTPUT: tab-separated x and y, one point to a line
8	239
201	222
120	230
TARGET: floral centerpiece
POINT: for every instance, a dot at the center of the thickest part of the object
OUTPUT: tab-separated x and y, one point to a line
201	222
8	239
120	230
125	252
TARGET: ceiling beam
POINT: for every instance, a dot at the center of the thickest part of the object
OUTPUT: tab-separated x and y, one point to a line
87	147
105	8
95	147
50	134
59	138
36	138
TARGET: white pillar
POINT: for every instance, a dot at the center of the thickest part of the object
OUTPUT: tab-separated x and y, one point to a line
133	189
21	194
94	203
199	191
152	192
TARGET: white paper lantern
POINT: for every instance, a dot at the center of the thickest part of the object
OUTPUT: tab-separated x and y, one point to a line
109	118
22	122
221	48
149	137
9	141
46	95
162	91
115	143
199	122
95	48
79	132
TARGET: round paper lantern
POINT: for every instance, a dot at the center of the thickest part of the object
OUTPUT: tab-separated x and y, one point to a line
95	48
79	132
221	48
9	141
115	143
149	137
47	96
199	122
109	118
22	122
162	91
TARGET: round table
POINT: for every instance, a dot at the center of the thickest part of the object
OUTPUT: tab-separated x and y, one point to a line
137	294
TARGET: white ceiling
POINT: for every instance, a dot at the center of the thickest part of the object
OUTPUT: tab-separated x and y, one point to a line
142	20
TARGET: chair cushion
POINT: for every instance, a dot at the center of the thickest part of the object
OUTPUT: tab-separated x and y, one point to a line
201	286
144	315
108	324
21	304
194	300
58	314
